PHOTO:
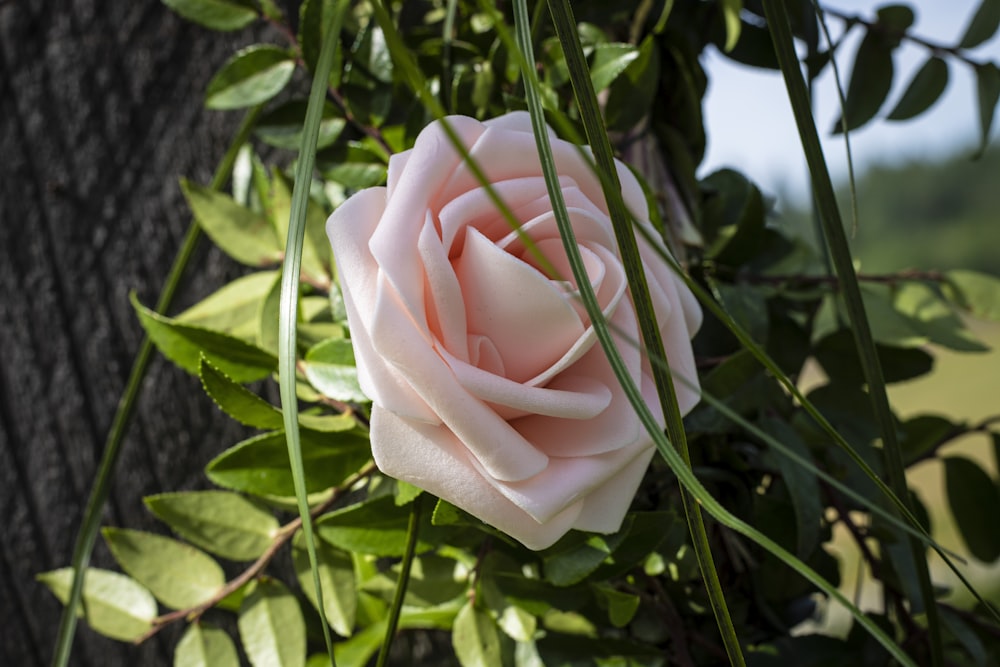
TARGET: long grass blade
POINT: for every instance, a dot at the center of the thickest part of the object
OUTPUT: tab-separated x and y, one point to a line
586	97
833	228
289	296
84	545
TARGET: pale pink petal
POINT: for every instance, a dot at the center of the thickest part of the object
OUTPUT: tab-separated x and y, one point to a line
567	481
428	166
617	426
525	316
576	397
432	458
605	507
349	229
409	350
445	307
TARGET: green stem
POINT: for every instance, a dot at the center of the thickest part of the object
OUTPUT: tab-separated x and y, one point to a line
412	529
565	25
126	408
833	228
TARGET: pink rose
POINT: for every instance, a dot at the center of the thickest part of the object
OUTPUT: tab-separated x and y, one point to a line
489	388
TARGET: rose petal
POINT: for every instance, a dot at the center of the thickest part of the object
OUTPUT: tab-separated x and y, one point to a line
432	458
499	448
349	229
525	316
445	306
567	481
570	397
428	167
617	426
603	508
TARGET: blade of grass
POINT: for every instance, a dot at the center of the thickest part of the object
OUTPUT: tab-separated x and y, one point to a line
833	228
84	545
586	99
289	296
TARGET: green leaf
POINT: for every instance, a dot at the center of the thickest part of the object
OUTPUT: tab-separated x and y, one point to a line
185	344
924	90
223	15
733	218
975	504
870	81
242	234
177	574
330	368
983	25
475	638
621	606
336	575
282	126
113	604
632	94
803	487
252	76
610	60
978	293
731	15
203	645
250	409
988	89
237	401
574	557
233	308
930	316
259	465
271	626
376	527
224	523
518	624
924	432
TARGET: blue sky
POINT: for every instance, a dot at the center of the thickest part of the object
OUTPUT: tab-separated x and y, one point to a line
751	128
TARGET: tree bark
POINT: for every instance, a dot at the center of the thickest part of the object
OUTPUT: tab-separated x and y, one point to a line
100	113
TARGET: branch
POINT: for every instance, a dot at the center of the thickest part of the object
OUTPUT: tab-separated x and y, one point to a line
934	47
284	534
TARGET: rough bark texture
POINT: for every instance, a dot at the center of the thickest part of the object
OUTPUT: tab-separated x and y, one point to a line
100	113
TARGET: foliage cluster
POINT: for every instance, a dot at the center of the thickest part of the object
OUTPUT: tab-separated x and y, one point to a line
793	467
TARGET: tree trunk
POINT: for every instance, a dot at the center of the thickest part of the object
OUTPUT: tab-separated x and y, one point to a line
100	113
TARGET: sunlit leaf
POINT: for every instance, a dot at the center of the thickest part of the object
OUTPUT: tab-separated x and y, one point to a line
241	233
271	626
331	369
177	574
336	575
203	645
232	308
475	638
251	76
113	604
224	523
185	345
220	15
